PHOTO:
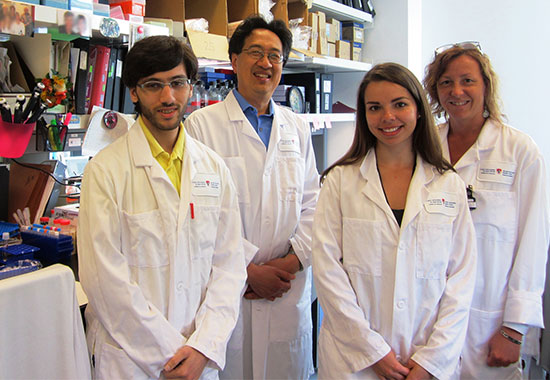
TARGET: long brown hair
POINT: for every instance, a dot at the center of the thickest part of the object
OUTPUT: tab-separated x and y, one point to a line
435	70
425	139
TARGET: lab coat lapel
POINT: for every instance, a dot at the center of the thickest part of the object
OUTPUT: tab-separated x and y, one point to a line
236	115
423	174
485	142
373	185
274	138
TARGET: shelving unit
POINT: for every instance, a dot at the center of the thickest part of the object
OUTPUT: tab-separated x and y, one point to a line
326	65
46	17
341	12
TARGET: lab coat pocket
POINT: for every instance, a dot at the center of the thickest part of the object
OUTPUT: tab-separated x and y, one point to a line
362	246
291	178
495	217
237	168
204	227
433	243
143	239
113	363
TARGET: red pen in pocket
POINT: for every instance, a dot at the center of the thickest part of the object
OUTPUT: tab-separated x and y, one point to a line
192	208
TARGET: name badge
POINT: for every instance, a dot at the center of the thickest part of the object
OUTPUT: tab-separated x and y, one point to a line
207	185
442	203
289	143
496	171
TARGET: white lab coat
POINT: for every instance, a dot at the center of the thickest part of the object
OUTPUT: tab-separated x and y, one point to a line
156	277
384	287
278	191
506	170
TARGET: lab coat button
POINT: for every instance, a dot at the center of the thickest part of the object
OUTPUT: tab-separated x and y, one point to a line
179	286
401	246
401	304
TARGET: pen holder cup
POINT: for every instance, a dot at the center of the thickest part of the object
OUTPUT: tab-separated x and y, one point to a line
14	138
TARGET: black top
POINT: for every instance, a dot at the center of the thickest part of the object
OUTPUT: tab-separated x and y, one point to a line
398	215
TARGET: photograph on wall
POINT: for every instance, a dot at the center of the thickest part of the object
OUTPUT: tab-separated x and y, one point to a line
71	22
16	18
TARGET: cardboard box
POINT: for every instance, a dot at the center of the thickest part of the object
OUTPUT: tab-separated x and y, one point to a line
322	47
337	28
331	49
343	49
313	21
356	48
208	45
353	31
214	11
333	30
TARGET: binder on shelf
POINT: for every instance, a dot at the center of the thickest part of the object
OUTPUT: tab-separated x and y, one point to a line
117	80
126	105
99	77
81	75
312	83
110	84
326	93
92	58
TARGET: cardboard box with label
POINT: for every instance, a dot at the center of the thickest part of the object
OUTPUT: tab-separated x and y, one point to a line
313	21
353	32
356	51
343	49
322	46
331	49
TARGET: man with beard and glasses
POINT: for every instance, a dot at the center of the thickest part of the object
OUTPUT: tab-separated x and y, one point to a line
159	237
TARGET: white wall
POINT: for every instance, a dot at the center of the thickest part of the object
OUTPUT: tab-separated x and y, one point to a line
516	36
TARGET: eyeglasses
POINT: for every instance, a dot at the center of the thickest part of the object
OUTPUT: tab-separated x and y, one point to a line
155	86
274	58
467	45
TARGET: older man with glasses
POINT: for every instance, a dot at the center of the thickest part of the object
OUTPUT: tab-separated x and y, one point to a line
159	237
269	152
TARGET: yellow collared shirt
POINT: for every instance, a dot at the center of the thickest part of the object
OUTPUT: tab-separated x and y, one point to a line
171	163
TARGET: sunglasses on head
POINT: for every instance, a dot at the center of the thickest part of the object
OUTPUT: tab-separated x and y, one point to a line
465	45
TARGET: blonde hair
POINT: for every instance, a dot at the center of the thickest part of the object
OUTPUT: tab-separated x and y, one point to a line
437	67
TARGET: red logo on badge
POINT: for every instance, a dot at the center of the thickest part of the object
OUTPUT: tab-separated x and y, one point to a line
443	200
207	183
499	171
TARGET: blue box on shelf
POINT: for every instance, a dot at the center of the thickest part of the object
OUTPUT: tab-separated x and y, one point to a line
63	4
37	2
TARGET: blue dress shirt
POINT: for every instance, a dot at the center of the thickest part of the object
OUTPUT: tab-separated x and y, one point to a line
262	124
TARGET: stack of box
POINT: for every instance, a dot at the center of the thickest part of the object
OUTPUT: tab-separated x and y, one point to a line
333	31
322	43
354	32
313	22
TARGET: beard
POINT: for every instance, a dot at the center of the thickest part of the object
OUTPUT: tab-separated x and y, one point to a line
153	117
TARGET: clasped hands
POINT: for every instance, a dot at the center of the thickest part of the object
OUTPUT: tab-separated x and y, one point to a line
272	279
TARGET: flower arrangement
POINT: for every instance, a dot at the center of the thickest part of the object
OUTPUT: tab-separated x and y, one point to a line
57	90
